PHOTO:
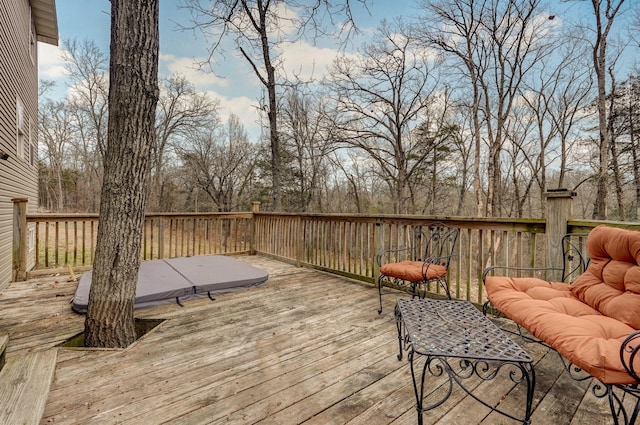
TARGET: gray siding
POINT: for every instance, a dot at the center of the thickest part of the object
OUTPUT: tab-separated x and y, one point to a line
18	79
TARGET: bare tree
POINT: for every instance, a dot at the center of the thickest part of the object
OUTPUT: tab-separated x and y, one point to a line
88	101
428	184
632	111
257	26
380	96
552	102
354	184
625	154
494	44
359	174
220	163
513	51
614	133
460	127
181	112
605	12
527	141
566	100
87	67
133	95
56	133
304	135
453	27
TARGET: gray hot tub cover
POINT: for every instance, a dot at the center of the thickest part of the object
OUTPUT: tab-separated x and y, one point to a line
180	279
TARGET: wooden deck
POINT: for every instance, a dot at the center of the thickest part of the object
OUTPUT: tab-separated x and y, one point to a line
308	347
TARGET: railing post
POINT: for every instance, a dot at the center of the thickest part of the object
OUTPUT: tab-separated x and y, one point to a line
559	206
255	208
20	231
300	242
161	238
378	245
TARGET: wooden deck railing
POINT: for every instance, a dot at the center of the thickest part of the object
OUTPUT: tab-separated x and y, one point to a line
70	240
348	244
344	244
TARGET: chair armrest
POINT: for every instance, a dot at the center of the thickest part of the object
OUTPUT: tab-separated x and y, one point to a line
629	351
525	269
385	252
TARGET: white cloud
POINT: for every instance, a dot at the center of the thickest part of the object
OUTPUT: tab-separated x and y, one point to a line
306	61
189	67
50	64
245	108
287	22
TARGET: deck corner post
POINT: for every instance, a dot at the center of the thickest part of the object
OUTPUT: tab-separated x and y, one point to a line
559	209
20	231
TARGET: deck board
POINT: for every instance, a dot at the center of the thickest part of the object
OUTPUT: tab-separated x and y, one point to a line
24	383
308	347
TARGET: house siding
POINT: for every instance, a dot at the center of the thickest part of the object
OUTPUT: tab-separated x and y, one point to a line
18	80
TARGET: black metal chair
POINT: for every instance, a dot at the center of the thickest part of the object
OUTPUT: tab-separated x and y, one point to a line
425	262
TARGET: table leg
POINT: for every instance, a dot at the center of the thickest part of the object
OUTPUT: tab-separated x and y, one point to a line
399	324
530	375
438	366
418	393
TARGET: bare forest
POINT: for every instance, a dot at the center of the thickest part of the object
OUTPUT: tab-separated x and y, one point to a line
466	109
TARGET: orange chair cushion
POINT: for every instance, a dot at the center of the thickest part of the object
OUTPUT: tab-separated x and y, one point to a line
413	271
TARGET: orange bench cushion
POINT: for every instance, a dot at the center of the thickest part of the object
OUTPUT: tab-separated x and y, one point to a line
553	314
413	271
586	322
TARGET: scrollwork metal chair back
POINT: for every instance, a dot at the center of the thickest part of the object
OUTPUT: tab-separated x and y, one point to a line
436	242
575	256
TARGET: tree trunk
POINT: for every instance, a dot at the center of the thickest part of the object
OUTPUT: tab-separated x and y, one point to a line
272	113
133	95
477	144
634	156
600	205
599	53
617	180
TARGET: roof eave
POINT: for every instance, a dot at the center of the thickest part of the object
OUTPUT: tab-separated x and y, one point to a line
46	20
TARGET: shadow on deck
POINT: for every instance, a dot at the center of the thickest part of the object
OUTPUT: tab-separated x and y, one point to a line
308	347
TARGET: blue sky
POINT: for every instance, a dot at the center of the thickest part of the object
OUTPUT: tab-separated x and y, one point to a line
233	83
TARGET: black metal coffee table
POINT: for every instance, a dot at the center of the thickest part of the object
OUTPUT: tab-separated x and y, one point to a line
457	339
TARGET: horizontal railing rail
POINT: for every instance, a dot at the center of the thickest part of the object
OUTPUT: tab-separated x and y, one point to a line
585	226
